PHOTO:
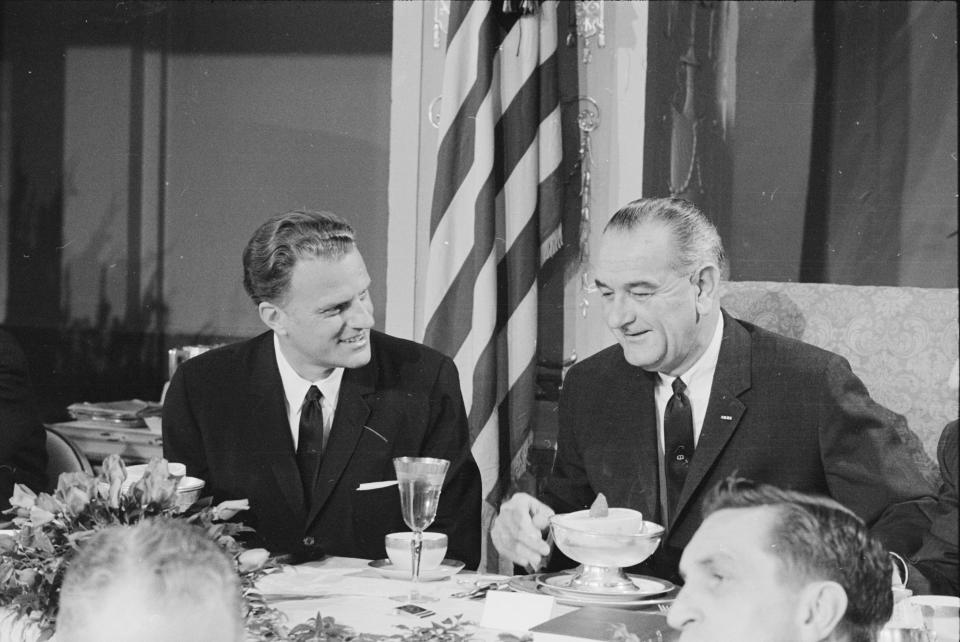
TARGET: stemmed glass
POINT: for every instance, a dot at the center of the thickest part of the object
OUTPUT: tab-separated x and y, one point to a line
420	480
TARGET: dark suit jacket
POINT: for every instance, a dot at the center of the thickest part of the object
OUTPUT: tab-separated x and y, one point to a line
780	411
937	560
23	440
224	417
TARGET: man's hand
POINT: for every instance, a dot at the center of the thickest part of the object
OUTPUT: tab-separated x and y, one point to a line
517	530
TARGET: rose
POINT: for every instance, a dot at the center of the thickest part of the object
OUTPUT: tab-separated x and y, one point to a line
39	516
79	480
74	492
48	503
228	509
252	559
27	577
74	501
23	497
8	544
113	472
156	489
158	467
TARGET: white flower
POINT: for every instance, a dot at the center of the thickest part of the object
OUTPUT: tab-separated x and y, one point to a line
226	510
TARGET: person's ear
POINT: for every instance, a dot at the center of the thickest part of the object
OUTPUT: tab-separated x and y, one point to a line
272	316
707	282
822	606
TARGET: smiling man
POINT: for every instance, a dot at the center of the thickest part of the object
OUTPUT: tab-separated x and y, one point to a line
691	395
296	419
769	565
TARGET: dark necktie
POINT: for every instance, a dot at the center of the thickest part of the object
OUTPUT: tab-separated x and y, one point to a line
677	443
310	441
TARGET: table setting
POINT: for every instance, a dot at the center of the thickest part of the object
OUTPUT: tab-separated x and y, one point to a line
416	593
364	595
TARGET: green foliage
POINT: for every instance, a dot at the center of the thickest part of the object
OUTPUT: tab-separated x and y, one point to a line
326	629
53	528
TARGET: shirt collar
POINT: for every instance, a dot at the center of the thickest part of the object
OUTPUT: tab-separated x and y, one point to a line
704	367
295	387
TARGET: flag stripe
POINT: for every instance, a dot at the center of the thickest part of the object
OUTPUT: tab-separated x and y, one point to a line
494	220
513	136
457	144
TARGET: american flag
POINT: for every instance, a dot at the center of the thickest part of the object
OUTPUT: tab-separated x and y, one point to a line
495	219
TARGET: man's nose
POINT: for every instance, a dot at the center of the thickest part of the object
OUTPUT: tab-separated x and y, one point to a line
618	311
360	314
681	612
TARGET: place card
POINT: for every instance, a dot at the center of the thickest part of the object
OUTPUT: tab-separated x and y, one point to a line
515	611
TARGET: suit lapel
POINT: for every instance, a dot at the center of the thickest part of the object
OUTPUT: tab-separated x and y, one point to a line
724	410
270	425
348	422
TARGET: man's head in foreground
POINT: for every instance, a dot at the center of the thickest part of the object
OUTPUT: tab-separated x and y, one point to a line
775	565
160	580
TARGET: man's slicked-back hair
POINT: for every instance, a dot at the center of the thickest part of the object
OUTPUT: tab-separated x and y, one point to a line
277	245
817	538
696	238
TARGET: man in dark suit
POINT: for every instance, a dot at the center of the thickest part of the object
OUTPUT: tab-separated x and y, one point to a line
692	395
298	418
935	567
23	441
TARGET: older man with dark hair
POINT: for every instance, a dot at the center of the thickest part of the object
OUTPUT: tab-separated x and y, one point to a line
691	395
774	565
157	581
306	418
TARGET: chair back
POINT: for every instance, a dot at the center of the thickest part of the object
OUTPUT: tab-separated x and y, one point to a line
901	341
63	456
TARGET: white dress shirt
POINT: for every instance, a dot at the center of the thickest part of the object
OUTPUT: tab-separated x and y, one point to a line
295	390
699	381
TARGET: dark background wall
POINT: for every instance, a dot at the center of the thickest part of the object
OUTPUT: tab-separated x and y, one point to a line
840	165
143	142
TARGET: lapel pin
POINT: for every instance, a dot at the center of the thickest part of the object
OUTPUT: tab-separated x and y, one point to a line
726	417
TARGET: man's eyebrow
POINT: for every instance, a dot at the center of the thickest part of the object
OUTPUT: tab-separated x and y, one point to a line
333	305
715	559
627	286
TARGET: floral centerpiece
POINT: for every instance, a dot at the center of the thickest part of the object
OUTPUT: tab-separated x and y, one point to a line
52	528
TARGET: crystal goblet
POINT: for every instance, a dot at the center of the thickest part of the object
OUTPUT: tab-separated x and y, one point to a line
420	480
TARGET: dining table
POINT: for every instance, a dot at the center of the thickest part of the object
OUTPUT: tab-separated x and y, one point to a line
362	595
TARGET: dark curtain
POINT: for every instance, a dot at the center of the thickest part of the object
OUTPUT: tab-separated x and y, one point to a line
686	151
860	138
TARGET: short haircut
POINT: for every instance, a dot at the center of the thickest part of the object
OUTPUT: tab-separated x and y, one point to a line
277	245
817	538
179	565
697	240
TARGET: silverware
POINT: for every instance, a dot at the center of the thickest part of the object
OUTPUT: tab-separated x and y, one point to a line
481	590
292	597
281	597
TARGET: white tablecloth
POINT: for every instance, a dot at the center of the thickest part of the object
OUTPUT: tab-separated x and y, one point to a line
358	596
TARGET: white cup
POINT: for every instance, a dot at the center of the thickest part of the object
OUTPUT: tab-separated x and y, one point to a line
400	546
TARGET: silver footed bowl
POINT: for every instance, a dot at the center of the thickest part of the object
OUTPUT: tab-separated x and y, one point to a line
604	546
